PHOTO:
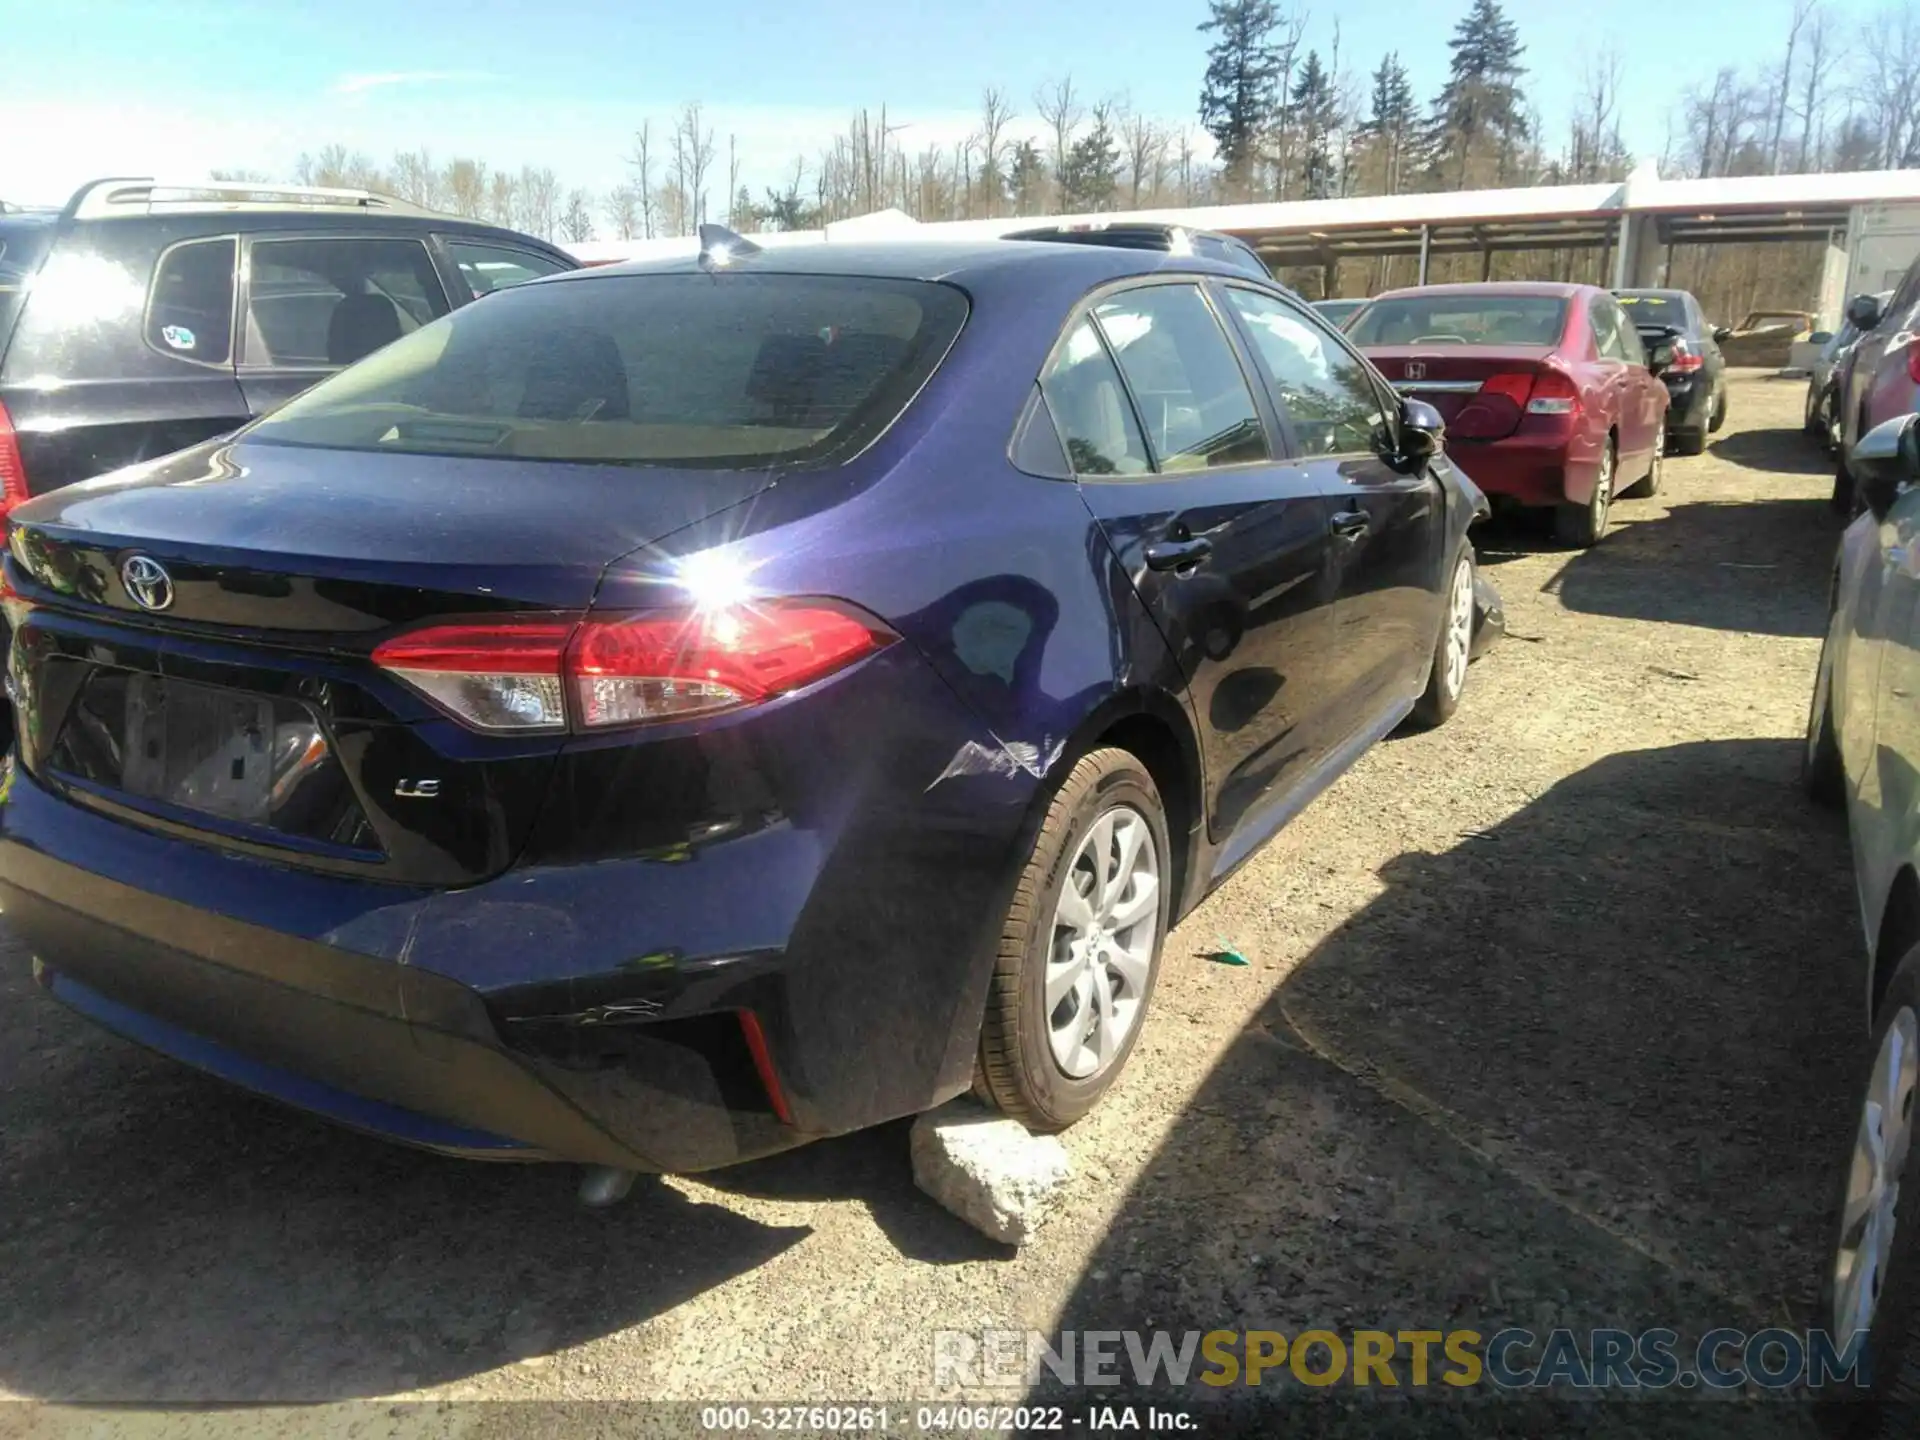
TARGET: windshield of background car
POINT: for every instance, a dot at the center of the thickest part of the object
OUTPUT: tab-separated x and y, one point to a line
720	370
1655	309
23	243
1478	319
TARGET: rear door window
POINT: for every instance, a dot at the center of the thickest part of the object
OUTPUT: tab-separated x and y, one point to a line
190	308
1089	403
740	370
1185	379
320	303
487	268
1606	331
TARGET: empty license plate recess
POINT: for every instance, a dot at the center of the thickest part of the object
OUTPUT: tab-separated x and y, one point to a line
201	748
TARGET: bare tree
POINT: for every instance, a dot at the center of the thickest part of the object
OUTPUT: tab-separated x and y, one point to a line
1062	113
641	162
621	209
692	159
500	198
1889	84
1145	144
996	113
576	221
1818	57
735	220
537	201
416	178
465	184
1596	147
1783	89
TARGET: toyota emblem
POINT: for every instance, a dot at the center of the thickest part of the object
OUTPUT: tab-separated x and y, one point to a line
148	584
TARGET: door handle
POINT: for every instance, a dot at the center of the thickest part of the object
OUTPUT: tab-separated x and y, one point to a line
1349	524
1178	554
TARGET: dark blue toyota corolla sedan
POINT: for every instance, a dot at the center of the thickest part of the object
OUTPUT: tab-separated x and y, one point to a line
661	715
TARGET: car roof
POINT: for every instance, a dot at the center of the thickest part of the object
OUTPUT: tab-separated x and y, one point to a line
1493	287
1655	292
965	262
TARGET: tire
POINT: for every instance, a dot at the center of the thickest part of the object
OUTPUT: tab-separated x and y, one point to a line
1716	410
1452	648
1822	775
1649	483
1690	442
1021	1071
1583	526
1891	1353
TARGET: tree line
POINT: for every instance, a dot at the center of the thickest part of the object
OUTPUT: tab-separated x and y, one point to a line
1285	120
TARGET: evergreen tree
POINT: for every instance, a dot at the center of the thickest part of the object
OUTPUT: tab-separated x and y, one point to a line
1027	179
1092	173
1241	91
1481	107
1390	129
1316	115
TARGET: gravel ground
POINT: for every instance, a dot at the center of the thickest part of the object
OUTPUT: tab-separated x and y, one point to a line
1549	1020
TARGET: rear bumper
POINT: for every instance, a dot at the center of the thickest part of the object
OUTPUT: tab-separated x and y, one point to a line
1688	399
338	1034
1525	472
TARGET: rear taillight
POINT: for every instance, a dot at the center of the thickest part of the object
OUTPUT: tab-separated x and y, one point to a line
1913	359
13	471
1554	393
1685	360
553	673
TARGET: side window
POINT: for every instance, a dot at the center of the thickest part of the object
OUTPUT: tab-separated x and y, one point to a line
1632	350
1606	334
1322	386
318	303
190	308
1193	398
487	268
1090	406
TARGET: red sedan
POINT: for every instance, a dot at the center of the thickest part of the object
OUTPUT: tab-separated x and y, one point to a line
1548	394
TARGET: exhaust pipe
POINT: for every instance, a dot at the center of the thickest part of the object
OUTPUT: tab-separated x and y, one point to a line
604	1185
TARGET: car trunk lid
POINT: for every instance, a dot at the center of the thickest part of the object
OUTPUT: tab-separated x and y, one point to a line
1481	391
193	641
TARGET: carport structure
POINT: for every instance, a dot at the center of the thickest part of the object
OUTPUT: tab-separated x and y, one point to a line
1863	217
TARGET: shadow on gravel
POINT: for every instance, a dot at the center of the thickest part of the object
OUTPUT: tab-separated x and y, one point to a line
1775	452
1589	1068
169	1238
1757	566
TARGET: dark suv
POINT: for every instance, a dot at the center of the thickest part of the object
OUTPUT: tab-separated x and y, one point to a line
143	317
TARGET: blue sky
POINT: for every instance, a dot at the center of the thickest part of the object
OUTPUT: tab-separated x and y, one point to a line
176	87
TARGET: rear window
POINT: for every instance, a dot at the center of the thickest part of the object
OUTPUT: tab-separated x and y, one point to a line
1477	319
1655	309
735	370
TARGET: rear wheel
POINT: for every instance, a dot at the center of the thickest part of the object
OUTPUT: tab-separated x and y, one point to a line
1584	525
1649	483
1717	408
1690	441
1447	676
1080	946
1872	1282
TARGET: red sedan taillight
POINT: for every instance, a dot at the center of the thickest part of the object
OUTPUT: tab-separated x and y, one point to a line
1913	359
13	471
1686	360
553	673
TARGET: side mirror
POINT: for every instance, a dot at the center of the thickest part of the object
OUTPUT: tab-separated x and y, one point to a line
1422	432
1722	332
1863	312
1660	357
1885	460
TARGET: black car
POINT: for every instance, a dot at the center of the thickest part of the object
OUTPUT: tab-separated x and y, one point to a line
1149	235
1697	379
144	317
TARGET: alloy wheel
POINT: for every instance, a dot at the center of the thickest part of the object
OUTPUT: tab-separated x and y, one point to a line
1459	639
1602	502
1869	1213
1659	457
1104	930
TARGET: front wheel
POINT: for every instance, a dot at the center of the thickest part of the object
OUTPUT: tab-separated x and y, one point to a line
1447	676
1582	526
1080	946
